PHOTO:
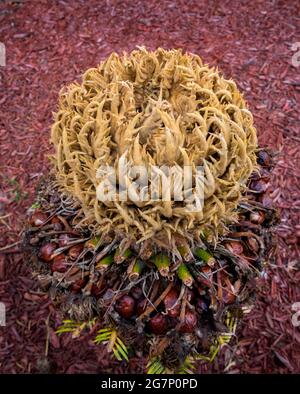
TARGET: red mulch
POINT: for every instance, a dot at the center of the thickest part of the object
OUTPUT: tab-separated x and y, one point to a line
49	43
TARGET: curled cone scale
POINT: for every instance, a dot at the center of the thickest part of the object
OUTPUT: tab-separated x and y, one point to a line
154	108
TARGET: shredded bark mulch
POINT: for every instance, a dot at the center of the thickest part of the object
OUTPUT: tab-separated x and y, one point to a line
50	43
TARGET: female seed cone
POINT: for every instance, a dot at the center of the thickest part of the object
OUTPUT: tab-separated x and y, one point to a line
161	276
161	108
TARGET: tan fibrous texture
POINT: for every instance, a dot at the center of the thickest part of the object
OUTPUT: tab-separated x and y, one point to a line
154	108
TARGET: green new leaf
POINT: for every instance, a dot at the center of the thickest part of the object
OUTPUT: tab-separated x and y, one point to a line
187	367
109	337
155	366
76	328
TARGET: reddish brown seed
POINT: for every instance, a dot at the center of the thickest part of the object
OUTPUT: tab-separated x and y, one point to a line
38	218
59	263
234	247
47	250
75	251
257	217
125	306
170	300
174	312
158	324
190	322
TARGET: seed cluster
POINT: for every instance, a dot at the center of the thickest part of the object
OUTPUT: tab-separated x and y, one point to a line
154	108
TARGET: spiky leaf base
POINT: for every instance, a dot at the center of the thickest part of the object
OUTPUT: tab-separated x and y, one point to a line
147	300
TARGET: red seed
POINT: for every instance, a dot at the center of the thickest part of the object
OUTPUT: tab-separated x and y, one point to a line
189	324
47	250
38	218
158	324
59	263
170	300
75	251
125	306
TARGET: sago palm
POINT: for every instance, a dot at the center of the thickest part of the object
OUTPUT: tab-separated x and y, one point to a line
162	281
